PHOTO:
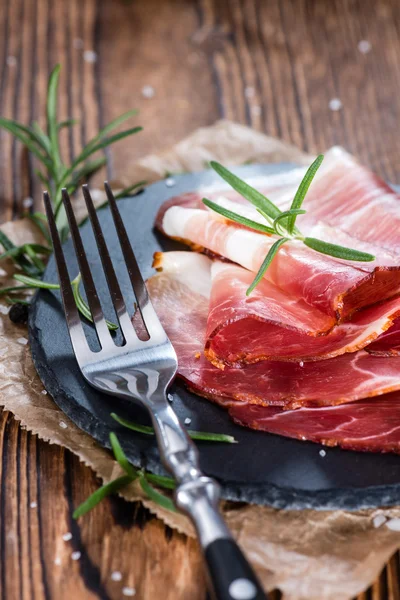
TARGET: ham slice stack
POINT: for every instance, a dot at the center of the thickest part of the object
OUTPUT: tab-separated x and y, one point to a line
312	353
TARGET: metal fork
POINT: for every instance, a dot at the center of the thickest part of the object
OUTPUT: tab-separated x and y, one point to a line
142	371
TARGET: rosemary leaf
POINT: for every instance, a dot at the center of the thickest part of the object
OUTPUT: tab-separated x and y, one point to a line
17	256
337	251
15	288
10	300
120	456
303	189
52	117
105	490
41	137
67	123
18	131
128	191
32	282
248	192
82	306
195	435
161	481
155	495
112	125
266	262
237	218
41	223
284	216
88	169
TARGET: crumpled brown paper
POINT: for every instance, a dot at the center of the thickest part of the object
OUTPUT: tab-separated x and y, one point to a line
313	555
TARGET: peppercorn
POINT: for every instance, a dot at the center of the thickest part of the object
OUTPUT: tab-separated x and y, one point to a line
19	313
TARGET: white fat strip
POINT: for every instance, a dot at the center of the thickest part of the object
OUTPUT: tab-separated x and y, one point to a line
276	180
244	210
175	220
190	268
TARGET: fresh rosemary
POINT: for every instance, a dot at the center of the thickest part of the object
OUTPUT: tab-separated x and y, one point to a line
55	174
282	224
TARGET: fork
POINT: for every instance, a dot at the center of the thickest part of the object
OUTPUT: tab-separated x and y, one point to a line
142	370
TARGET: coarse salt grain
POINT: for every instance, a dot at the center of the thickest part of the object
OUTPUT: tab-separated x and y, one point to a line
188	421
170	397
90	56
63	425
67	536
378	520
170	182
249	92
11	61
393	524
128	591
27	202
44	392
364	46
76	555
23	341
57	560
301	363
33	504
322	453
148	91
335	104
116	575
4	310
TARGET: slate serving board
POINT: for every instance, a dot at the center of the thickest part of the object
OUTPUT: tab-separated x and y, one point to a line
262	468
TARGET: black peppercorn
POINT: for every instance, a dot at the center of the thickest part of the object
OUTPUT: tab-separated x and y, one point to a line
19	313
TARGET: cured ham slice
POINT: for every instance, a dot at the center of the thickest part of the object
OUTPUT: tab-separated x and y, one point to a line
334	289
371	425
180	293
242	330
388	344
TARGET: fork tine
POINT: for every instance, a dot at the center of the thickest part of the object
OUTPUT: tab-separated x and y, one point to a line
93	300
115	290
77	335
149	316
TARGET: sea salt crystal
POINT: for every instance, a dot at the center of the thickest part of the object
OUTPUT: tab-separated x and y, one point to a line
170	397
364	46
11	61
188	421
322	453
78	43
116	575
148	91
4	310
379	520
27	202
33	504
63	425
23	341
256	111
170	182
128	591
76	555
44	392
67	536
393	524
335	104
249	92
301	363
57	560
90	56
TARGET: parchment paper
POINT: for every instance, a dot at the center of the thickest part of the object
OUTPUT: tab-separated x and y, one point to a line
306	554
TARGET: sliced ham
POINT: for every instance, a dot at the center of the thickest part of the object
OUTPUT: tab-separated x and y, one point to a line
388	344
371	425
180	293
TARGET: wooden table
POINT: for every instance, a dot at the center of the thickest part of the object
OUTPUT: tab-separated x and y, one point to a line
274	65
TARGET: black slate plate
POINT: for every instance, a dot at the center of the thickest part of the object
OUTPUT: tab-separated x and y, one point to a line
261	468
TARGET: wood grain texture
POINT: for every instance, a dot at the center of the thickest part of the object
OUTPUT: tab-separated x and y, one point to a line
272	65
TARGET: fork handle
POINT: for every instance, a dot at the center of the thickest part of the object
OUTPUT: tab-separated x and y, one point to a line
231	577
230	574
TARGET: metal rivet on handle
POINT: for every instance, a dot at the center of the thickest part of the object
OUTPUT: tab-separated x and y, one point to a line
242	589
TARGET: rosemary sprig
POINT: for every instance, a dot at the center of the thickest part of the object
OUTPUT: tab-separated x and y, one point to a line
131	474
55	174
195	435
281	223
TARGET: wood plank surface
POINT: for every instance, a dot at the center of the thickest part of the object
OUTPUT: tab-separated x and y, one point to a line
270	64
